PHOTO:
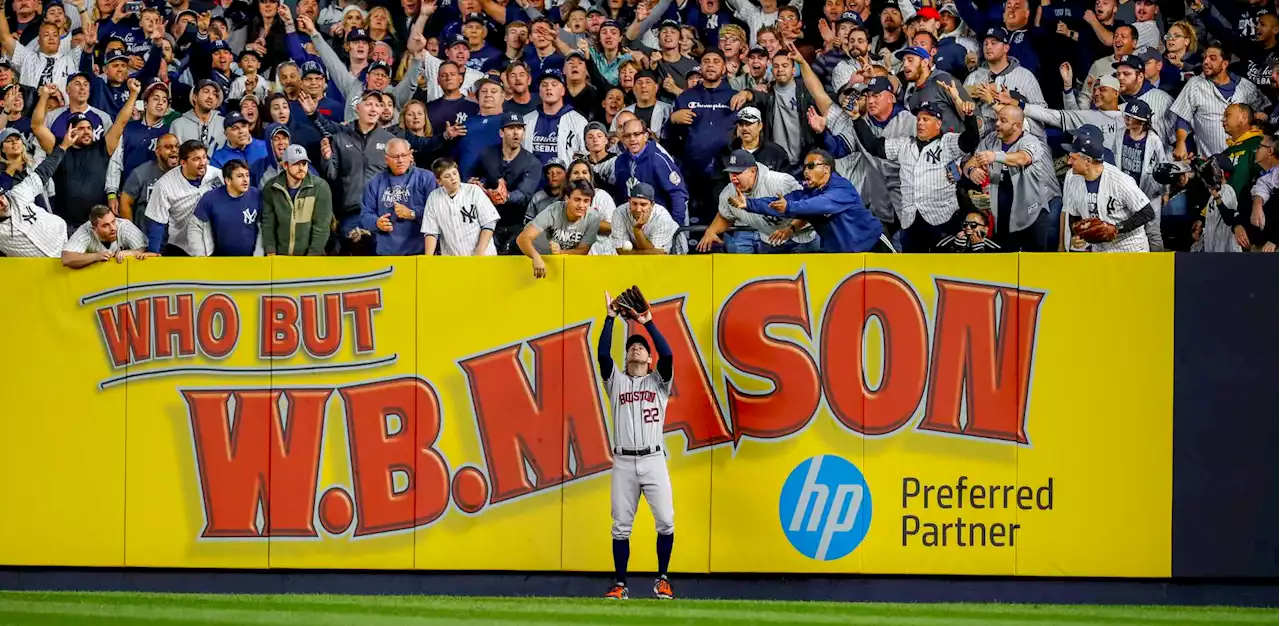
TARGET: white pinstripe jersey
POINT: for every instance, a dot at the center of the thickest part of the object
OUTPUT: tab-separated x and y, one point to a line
30	230
1202	105
925	188
660	230
875	179
173	202
604	205
457	220
769	184
1117	199
1014	78
128	237
1159	101
36	68
639	406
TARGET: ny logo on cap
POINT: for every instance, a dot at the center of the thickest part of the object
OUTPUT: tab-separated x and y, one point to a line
733	160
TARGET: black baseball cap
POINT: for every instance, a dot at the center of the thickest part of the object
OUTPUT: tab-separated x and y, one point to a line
556	74
1129	60
512	119
207	82
669	23
312	67
457	40
650	74
634	339
358	34
1138	110
1088	143
478	18
998	33
232	118
878	84
643	191
740	161
849	16
378	65
930	108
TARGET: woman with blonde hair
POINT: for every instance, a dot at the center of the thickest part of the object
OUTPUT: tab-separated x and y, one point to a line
17	162
1182	58
381	28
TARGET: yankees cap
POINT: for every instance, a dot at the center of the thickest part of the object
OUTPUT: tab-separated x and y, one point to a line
554	163
740	161
643	191
311	67
930	108
233	118
879	84
296	154
912	51
997	33
750	115
276	128
9	132
358	34
1128	60
512	119
669	23
554	74
1138	110
1088	144
378	65
116	55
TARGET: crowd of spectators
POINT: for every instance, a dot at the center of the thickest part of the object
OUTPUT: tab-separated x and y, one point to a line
480	127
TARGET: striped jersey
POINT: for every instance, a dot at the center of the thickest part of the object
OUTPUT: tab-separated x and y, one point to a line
639	406
660	230
128	237
1116	198
769	184
875	179
604	205
923	171
457	220
173	201
1013	78
1202	106
36	68
29	230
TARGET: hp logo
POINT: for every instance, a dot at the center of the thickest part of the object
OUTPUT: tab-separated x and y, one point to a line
825	508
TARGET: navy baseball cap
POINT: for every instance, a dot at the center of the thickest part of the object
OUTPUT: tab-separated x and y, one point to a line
233	118
311	67
879	84
643	191
116	55
555	74
740	161
634	339
669	23
930	108
378	65
456	40
758	51
207	82
275	128
221	45
358	34
512	119
1148	53
76	118
650	74
1088	141
476	17
997	32
912	51
1138	110
610	24
250	51
849	16
1129	60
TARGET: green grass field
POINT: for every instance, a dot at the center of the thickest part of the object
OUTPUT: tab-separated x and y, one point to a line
65	608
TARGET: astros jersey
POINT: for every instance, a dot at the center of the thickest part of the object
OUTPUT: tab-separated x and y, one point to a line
639	406
458	220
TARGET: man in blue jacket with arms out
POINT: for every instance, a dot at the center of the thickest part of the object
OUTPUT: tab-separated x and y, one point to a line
829	202
393	203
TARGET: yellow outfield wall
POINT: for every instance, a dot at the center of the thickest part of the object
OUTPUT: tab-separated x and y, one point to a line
880	414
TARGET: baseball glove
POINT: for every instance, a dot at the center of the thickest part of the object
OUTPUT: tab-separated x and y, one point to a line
1094	230
631	304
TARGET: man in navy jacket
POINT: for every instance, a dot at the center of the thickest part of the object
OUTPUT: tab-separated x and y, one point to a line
644	161
386	209
830	203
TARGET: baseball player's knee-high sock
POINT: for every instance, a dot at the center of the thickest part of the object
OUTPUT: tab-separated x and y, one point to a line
664	552
621	553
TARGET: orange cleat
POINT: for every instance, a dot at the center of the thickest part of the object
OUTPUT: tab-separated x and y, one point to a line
662	589
617	592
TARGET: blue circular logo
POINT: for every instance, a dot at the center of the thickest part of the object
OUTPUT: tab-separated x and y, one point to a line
825	507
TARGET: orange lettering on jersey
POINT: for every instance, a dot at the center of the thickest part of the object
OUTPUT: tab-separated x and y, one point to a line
520	423
692	408
392	429
235	454
170	323
745	345
985	355
893	302
126	331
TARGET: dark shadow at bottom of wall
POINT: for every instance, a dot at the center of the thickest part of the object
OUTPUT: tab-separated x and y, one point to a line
1258	593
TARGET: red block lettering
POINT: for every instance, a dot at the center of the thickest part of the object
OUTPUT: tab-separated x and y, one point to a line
744	344
238	458
381	450
362	304
126	331
984	354
693	409
171	323
895	304
520	423
218	306
313	319
279	321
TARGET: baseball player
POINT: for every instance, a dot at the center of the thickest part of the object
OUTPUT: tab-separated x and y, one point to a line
458	215
638	399
1105	206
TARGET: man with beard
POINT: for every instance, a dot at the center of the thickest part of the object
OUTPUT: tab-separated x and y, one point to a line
82	180
644	161
509	175
1134	86
202	123
1000	72
830	203
174	198
137	189
386	210
703	120
923	83
1203	101
784	107
102	238
647	106
1022	184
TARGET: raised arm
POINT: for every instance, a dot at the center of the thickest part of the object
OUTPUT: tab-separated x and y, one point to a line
38	127
664	366
603	357
122	118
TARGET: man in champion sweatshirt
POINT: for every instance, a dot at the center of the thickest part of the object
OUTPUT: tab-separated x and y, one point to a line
704	121
385	210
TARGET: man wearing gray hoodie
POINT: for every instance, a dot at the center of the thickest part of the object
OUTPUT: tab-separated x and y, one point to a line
203	122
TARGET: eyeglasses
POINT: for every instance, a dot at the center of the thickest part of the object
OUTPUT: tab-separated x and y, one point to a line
813	165
788	18
633	135
1170	36
971	225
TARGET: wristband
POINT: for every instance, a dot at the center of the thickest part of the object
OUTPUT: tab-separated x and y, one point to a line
111	196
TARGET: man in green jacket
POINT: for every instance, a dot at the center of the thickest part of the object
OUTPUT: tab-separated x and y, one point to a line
297	209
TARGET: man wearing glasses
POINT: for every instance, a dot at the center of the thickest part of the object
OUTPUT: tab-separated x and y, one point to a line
392	206
828	202
1265	201
972	236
